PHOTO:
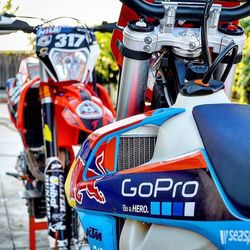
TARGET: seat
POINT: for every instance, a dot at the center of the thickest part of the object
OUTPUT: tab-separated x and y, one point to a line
225	132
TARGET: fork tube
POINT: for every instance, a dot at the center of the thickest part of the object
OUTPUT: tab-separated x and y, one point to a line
49	134
133	86
136	49
58	235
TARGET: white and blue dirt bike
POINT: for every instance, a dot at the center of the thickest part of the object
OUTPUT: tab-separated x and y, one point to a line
178	175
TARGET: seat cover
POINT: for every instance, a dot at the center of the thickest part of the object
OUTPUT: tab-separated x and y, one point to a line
225	132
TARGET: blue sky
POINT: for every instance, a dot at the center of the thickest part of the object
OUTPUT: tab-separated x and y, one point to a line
90	12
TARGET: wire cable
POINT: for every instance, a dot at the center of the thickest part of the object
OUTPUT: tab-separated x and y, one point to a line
204	38
231	47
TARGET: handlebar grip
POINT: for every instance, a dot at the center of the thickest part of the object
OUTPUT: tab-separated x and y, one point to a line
184	12
236	13
17	25
106	27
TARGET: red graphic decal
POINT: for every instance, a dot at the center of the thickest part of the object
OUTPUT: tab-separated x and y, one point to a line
91	173
99	161
78	196
92	191
94	124
76	176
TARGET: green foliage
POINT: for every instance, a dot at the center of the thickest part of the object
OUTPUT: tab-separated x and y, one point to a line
7	6
241	88
106	68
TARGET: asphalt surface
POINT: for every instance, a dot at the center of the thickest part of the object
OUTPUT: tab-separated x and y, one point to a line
14	232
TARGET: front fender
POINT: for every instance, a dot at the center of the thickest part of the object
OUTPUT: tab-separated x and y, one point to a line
78	112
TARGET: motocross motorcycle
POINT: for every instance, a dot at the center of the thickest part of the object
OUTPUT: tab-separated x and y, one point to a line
54	105
176	176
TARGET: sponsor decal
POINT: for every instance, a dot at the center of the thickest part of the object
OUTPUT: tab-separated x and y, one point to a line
161	187
44	41
89	110
43	52
57	226
187	189
54	183
94	124
234	236
185	209
48	31
135	209
93	233
57	217
55	202
54	187
69	117
47	133
47	193
92	192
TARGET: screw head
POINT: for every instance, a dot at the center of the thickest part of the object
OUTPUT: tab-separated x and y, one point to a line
192	45
147	48
148	40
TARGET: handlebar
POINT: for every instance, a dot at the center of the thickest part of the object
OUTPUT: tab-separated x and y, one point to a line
16	25
186	12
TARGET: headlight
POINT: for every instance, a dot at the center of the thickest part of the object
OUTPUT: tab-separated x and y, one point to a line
69	65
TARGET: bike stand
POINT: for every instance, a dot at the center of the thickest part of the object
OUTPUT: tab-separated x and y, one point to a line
33	227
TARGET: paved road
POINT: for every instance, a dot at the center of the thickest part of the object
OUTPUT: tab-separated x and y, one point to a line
13	211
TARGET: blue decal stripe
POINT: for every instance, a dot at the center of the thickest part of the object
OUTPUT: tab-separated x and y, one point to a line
212	230
116	153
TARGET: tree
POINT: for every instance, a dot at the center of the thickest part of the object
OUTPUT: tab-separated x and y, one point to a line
241	88
106	68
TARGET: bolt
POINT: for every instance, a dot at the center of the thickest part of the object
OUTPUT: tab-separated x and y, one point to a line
181	22
141	24
192	45
147	48
148	40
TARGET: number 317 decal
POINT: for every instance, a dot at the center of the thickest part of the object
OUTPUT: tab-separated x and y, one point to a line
69	40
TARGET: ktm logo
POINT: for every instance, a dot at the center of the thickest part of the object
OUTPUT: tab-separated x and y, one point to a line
93	233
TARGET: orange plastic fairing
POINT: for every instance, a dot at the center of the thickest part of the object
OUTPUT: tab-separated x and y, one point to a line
190	161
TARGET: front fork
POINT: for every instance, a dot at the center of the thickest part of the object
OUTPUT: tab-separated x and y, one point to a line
54	176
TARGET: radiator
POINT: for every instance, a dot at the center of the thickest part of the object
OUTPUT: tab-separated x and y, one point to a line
135	151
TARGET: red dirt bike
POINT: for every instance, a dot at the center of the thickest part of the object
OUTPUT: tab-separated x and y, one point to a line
55	103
